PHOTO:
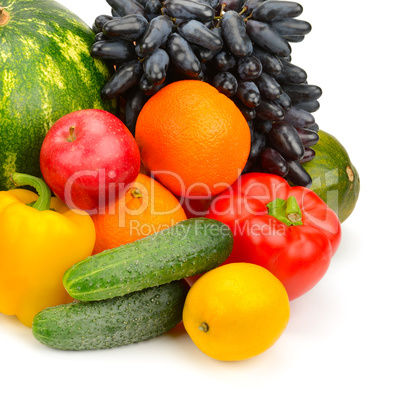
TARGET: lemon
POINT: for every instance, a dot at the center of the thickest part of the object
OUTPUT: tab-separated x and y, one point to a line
236	311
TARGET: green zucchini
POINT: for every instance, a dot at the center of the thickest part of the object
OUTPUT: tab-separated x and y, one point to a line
120	321
188	248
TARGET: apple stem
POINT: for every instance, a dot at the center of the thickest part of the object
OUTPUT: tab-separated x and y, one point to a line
43	190
71	137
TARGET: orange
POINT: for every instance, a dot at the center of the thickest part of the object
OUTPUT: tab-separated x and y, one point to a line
146	208
236	311
192	138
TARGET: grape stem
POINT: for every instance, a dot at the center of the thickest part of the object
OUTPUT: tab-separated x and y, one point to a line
244	9
247	18
219	17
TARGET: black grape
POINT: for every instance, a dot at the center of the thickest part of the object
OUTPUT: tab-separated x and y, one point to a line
236	5
100	20
153	8
273	162
205	54
287	58
248	113
271	10
299	117
182	56
188	10
309	155
250	5
135	100
284	101
298	175
149	88
308	137
225	83
196	32
249	68
211	3
292	27
257	146
130	27
234	32
156	34
100	36
309	106
285	139
249	94
267	38
117	50
294	38
262	125
270	63
268	87
291	74
269	110
127	7
125	77
302	92
155	66
115	14
224	61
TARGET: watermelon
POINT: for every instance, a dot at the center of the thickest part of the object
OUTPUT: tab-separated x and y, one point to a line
46	71
335	178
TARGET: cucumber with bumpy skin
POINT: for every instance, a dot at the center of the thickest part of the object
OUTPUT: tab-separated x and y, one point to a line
188	248
120	321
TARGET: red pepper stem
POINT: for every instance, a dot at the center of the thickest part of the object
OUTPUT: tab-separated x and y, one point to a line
287	211
43	201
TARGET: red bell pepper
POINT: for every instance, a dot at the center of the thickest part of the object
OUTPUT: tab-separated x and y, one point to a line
288	230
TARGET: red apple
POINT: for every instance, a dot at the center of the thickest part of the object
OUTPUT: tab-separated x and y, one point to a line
88	157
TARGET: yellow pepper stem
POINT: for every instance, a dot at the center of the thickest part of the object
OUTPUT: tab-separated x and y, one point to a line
43	190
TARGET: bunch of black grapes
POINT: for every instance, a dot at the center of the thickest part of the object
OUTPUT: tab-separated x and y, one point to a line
239	46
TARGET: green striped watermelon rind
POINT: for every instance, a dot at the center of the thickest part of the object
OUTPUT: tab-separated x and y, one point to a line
46	71
335	179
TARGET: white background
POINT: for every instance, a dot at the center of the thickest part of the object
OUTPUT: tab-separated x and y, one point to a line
343	341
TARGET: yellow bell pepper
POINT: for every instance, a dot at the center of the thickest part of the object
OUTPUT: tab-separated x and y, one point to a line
40	237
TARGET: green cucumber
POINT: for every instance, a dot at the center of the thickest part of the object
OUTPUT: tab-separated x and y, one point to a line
188	248
120	321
